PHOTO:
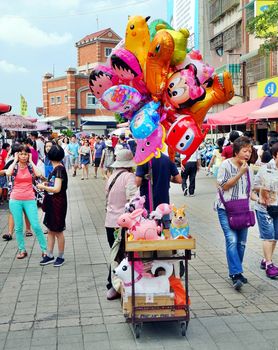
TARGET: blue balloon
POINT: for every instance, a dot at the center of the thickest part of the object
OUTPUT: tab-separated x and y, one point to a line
145	121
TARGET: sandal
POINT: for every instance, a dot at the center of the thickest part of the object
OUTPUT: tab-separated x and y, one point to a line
7	237
28	234
22	255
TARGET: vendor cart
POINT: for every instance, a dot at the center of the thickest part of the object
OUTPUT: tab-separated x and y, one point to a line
158	308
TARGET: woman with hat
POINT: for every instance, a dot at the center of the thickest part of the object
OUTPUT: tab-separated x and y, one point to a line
120	188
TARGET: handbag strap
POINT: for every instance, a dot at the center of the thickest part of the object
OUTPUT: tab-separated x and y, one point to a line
113	182
248	190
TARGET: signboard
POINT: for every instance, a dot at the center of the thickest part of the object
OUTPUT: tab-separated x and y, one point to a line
39	111
268	87
262	5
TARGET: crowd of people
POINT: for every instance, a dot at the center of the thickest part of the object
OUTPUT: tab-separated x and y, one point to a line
35	171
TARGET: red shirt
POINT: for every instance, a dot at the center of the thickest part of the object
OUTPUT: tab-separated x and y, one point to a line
3	156
227	152
23	186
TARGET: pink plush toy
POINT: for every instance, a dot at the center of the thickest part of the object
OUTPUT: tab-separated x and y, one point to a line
160	211
139	227
136	202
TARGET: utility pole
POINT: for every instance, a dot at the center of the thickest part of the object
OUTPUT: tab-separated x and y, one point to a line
97	23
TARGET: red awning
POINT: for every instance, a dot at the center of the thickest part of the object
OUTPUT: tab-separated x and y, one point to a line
269	112
4	108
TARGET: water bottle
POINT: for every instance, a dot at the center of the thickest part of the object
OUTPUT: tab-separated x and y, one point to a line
51	183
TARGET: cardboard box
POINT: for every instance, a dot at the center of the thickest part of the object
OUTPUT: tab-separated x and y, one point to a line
149	300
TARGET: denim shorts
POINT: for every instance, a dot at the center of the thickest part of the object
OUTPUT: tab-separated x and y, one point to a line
268	227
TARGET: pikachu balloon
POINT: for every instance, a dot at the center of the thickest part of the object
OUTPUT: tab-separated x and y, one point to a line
137	38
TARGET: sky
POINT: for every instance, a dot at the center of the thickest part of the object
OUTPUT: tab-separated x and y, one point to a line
39	36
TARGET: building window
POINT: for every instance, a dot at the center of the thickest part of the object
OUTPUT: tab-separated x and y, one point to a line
58	100
91	101
52	100
107	51
66	99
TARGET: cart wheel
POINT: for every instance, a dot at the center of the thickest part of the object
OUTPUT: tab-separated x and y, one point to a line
183	329
137	330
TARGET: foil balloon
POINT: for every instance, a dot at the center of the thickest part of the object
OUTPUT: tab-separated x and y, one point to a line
101	79
145	121
126	67
137	37
185	136
221	91
183	88
158	62
180	38
151	146
121	99
204	70
153	26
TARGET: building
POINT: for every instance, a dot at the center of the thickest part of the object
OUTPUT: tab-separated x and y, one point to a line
67	100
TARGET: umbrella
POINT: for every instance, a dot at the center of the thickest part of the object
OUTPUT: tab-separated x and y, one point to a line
269	112
15	122
120	131
4	108
239	114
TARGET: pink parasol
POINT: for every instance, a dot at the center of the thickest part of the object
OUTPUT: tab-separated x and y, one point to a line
15	122
269	112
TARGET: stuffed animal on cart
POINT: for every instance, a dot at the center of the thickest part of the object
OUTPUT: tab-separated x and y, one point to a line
139	227
179	228
144	284
161	210
136	202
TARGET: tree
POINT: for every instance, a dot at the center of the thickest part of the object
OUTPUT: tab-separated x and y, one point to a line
265	26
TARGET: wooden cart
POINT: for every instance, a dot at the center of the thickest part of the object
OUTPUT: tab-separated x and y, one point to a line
162	308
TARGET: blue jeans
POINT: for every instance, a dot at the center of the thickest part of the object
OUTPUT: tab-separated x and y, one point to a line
235	243
31	210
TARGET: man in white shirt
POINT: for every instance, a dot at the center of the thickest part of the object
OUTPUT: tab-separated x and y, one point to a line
189	170
39	144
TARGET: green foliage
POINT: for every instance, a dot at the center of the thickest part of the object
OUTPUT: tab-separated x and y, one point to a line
265	26
119	118
67	132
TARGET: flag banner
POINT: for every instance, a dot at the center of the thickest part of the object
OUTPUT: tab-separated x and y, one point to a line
23	106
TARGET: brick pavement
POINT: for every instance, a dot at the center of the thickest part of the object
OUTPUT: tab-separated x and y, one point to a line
66	308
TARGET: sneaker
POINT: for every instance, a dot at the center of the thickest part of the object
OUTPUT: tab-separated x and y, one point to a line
237	283
263	264
112	294
47	260
192	195
271	271
242	278
74	174
59	262
185	192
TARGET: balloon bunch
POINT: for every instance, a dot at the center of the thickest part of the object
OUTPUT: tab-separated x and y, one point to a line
161	89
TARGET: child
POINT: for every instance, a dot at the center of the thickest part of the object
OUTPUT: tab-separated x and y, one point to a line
55	206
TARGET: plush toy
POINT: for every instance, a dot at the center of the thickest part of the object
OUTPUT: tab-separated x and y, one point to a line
143	284
160	211
136	202
179	228
139	228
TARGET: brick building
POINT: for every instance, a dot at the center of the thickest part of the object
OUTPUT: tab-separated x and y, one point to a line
67	100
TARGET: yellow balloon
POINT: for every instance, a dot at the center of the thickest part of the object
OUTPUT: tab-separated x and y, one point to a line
180	38
137	38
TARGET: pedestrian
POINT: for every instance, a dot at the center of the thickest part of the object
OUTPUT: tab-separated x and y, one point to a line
22	198
228	150
163	171
3	157
189	171
107	158
38	144
216	159
74	155
47	163
233	181
65	146
98	148
120	188
266	190
55	207
85	159
35	154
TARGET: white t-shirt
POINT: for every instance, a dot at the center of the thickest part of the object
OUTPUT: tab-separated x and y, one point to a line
195	156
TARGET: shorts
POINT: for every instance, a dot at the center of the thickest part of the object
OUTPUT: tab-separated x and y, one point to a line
3	182
268	226
73	161
97	162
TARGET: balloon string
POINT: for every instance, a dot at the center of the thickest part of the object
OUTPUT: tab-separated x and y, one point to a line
150	187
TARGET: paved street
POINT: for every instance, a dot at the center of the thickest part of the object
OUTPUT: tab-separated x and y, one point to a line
66	308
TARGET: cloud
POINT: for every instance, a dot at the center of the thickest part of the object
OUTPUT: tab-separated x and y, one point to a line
7	67
17	30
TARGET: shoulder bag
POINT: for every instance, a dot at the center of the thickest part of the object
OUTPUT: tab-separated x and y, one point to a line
238	211
111	185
